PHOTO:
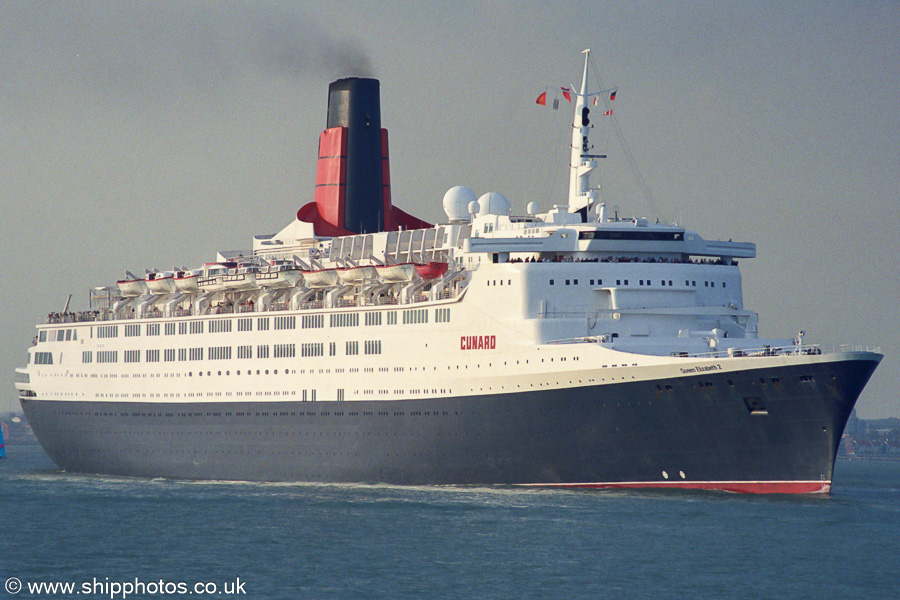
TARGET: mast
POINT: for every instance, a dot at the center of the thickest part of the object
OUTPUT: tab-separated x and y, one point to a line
582	163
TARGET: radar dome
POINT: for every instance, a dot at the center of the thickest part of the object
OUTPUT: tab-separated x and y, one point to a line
493	203
456	203
532	208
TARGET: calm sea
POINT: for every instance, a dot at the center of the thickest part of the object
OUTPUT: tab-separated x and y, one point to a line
310	541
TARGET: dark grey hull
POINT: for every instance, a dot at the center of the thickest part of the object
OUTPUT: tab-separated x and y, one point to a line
773	429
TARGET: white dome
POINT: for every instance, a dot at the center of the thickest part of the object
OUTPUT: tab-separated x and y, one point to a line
456	203
494	203
532	208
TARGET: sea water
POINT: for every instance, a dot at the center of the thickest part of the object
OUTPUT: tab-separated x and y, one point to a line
113	537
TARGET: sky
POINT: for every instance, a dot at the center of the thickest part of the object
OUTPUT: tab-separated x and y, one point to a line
152	134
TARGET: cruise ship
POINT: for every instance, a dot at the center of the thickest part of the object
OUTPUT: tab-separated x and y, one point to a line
566	346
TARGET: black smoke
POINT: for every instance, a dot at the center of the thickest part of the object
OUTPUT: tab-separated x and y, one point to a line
158	49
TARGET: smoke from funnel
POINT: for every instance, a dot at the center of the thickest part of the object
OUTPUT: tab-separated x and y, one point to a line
157	50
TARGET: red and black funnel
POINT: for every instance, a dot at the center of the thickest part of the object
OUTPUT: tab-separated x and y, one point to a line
353	187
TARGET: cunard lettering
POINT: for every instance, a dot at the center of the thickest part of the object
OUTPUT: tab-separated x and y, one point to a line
478	342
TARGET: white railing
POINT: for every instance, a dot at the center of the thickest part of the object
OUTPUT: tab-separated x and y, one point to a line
855	348
791	350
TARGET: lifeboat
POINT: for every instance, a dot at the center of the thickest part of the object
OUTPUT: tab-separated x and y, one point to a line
357	274
186	281
161	283
321	278
132	287
241	278
212	279
396	273
431	270
279	275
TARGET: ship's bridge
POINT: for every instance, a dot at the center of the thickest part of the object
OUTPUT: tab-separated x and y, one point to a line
507	238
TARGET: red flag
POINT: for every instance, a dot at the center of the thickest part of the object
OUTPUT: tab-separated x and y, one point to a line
542	99
608	113
595	100
613	95
566	94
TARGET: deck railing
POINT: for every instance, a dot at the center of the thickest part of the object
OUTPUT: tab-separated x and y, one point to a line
789	350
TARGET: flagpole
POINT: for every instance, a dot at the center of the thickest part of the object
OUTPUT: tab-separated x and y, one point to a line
581	161
579	169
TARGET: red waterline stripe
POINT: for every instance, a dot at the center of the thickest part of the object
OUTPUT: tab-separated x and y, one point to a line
738	487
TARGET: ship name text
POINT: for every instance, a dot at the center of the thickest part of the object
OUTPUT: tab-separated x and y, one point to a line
702	369
478	342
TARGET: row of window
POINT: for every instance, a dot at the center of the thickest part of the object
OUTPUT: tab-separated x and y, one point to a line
643	282
262	351
224	352
107	356
441	315
284	351
285	322
312	349
415	315
313	321
108	331
219	352
59	335
219	326
344	320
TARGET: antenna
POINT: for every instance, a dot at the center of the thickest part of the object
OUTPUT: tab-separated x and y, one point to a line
578	175
583	162
581	198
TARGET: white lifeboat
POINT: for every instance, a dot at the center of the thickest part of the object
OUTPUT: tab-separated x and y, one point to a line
321	278
396	273
357	274
212	279
161	283
241	278
186	281
131	286
279	275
